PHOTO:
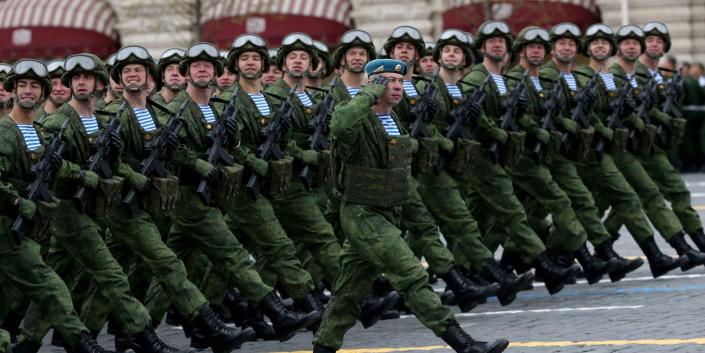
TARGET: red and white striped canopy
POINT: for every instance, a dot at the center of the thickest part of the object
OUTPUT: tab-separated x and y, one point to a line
47	28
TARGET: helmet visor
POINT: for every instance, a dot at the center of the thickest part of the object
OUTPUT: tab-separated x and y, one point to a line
408	31
253	39
350	36
594	29
536	34
5	68
632	30
457	34
55	65
24	66
297	37
133	50
83	61
563	29
172	52
199	49
495	26
320	46
656	26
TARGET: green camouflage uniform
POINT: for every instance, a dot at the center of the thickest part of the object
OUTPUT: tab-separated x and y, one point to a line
79	238
22	265
373	242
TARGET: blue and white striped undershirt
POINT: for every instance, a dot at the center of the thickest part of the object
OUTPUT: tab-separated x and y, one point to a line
90	123
31	139
632	80
409	89
570	80
454	90
537	83
656	75
145	119
207	113
389	124
260	103
608	79
501	86
353	91
304	98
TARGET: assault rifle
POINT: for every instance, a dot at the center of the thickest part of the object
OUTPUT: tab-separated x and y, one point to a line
508	120
553	107
421	112
673	95
105	153
158	148
648	98
222	139
273	133
615	118
579	114
321	127
44	172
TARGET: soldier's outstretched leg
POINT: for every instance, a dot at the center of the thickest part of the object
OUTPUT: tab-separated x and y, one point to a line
374	245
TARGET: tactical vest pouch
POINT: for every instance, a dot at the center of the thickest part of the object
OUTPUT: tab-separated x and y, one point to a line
676	134
646	138
514	148
278	177
161	196
227	185
466	154
619	140
426	156
582	145
44	218
322	174
376	187
108	196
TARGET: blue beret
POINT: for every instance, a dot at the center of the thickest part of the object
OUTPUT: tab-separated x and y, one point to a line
379	66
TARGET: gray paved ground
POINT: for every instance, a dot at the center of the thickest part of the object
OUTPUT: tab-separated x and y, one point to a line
639	314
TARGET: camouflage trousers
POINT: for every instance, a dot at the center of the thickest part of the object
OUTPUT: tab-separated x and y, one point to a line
374	246
652	201
133	238
22	267
79	238
611	189
4	341
671	185
199	229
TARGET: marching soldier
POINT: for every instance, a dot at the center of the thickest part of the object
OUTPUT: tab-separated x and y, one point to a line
114	89
601	175
20	260
60	94
225	81
168	76
369	144
489	190
427	64
325	66
272	74
5	96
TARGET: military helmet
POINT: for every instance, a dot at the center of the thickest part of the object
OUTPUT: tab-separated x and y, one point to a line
28	68
132	54
56	68
323	55
565	30
405	34
350	39
248	42
492	29
84	63
110	62
428	48
655	28
532	34
168	57
297	41
382	54
4	70
632	32
201	51
455	37
598	30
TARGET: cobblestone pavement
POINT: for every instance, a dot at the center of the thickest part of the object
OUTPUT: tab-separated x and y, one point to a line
638	314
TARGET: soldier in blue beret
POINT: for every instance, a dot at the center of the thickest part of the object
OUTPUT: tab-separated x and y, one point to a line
371	158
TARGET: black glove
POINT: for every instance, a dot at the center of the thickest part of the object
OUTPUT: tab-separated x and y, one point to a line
172	141
432	107
115	140
286	123
231	126
55	161
591	97
629	105
475	110
522	103
678	89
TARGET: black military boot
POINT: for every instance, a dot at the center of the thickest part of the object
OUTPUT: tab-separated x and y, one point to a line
255	320
467	294
566	259
695	258
26	346
237	304
554	276
308	304
509	284
173	317
605	251
147	341
57	340
209	331
432	276
122	341
699	239
373	307
321	349
86	344
593	268
285	321
462	342
660	264
11	323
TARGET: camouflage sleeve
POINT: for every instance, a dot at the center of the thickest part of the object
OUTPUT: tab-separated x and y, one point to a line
52	123
8	194
348	118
